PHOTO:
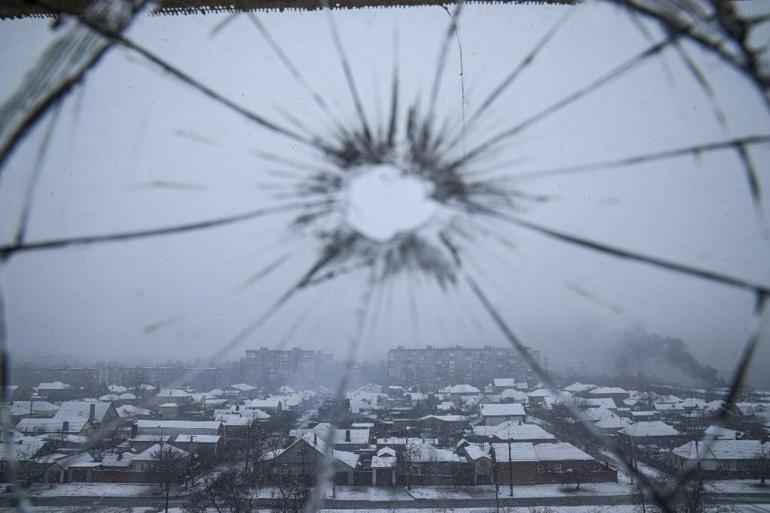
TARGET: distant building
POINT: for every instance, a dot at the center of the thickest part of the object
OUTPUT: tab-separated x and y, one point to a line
274	368
75	376
432	368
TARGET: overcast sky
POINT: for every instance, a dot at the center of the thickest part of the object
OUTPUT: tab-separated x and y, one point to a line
132	126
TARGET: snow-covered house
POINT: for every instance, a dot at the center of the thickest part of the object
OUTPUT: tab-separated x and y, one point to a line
479	456
500	384
457	392
304	456
204	445
178	427
55	391
511	395
73	418
527	463
650	436
725	459
426	464
145	460
173	395
442	424
26	450
538	396
494	414
384	467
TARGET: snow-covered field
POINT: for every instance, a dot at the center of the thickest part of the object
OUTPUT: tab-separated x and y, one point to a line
94	490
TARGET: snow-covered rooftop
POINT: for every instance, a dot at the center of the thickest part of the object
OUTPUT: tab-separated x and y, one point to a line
24	407
460	389
502	410
78	410
153	453
512	430
724	450
526	451
197	439
579	387
385	458
178	424
649	429
243	387
54	385
422	452
607	390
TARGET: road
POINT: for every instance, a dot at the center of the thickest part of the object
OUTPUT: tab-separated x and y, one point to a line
565	500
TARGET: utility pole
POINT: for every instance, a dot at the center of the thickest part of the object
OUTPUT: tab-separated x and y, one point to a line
510	466
497	483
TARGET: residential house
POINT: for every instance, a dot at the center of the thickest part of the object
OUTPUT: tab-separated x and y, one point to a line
202	445
384	467
527	463
479	456
56	391
304	456
494	414
500	384
442	424
724	459
179	427
650	436
426	464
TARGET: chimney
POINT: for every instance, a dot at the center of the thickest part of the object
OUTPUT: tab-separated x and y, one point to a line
65	426
134	430
347	435
91	412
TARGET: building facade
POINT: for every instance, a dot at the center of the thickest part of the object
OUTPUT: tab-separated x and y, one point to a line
296	367
434	367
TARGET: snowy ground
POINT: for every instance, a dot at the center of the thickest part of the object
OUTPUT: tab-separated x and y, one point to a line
746	508
488	492
94	490
381	494
739	486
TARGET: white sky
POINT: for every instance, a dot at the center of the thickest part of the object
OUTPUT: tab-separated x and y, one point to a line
132	126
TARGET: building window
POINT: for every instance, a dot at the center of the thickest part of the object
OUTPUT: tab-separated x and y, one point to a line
557	467
540	469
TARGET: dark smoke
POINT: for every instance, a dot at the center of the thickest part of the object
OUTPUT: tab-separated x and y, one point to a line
653	355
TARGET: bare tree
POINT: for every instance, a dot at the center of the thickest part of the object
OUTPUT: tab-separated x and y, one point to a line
762	464
405	460
228	491
294	490
168	468
31	466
